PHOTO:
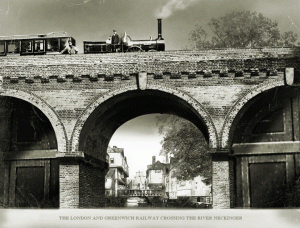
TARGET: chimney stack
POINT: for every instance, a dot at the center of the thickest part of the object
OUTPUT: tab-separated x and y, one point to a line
153	160
159	30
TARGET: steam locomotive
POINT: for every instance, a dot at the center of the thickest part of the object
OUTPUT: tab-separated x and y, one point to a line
54	43
126	44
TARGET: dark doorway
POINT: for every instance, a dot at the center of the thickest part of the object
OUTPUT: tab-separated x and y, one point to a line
267	181
29	186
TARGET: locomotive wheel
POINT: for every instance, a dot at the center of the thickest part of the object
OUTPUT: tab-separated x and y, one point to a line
134	49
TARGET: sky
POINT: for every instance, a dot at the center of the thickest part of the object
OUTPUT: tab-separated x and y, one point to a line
94	20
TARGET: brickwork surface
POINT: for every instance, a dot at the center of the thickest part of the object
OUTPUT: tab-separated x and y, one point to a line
67	85
220	185
91	187
69	185
212	84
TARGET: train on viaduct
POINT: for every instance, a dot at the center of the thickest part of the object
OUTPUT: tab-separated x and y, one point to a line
59	112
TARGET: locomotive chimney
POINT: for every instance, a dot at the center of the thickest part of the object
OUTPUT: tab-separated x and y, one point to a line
159	30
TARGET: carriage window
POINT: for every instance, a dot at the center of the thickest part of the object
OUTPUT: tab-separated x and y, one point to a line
64	42
26	46
39	45
13	46
53	45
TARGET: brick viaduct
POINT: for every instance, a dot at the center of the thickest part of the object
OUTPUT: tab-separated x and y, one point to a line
59	112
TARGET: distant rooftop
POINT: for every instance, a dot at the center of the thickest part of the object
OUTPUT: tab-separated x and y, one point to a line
115	149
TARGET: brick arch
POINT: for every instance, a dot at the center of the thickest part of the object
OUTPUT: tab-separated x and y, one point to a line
227	130
49	112
213	137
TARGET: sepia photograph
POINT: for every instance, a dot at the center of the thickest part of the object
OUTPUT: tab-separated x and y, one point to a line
149	113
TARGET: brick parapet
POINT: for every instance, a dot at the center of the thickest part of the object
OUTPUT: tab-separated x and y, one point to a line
140	57
106	67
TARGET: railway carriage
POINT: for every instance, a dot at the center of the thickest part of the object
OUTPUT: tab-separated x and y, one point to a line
40	44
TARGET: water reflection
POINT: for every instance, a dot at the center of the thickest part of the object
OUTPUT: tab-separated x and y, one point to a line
137	202
155	202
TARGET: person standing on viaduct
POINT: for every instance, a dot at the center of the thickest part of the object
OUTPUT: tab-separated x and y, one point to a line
115	40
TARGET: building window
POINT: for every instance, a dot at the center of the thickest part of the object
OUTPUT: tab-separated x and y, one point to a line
112	161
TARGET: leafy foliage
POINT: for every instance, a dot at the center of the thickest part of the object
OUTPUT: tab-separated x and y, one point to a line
241	29
185	143
288	38
199	38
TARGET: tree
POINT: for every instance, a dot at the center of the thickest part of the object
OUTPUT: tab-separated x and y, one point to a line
288	39
241	29
185	143
198	38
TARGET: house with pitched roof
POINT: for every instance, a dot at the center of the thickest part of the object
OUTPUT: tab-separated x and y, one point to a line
116	178
156	173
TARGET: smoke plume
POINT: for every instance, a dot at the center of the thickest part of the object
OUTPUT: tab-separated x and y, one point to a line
172	6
